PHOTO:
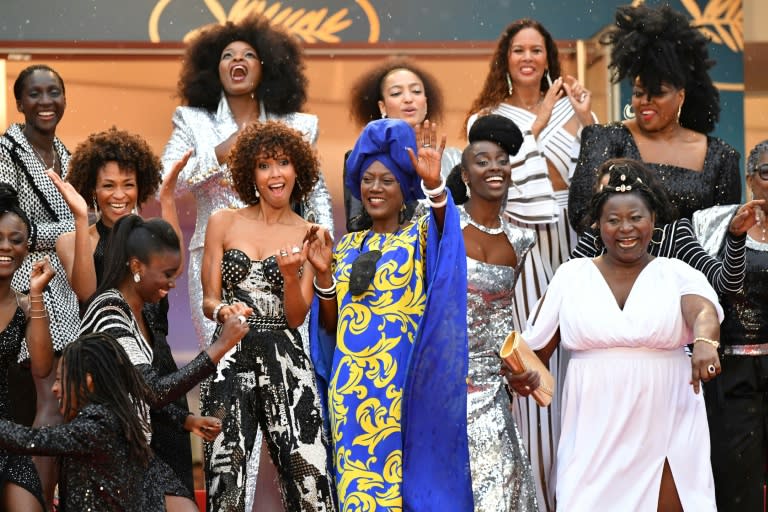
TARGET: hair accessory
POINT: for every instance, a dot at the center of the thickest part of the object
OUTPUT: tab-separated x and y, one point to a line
136	277
509	84
711	369
499	130
216	311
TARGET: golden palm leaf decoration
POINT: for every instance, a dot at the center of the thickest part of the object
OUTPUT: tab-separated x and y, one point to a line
312	26
721	20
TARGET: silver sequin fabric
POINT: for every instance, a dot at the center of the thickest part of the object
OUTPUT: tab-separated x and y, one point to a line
501	472
208	182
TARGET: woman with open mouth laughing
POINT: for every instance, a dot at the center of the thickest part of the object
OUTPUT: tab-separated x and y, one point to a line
674	107
234	75
26	151
254	265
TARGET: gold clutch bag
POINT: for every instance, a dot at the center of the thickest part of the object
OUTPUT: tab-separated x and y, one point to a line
520	358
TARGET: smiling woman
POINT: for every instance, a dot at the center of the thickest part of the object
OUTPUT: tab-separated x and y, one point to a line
27	151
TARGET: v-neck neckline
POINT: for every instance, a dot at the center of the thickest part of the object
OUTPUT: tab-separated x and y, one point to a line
631	288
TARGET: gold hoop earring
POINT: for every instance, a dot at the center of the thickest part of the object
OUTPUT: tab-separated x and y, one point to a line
661	236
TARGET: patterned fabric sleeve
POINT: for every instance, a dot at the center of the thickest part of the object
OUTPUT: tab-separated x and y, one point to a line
83	436
109	313
728	183
597	145
724	276
587	245
202	165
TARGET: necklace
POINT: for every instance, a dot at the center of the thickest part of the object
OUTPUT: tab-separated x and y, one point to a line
42	160
486	229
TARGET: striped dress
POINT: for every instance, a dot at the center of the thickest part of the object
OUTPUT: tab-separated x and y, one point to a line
532	203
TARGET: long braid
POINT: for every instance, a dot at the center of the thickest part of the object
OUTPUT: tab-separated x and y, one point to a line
116	385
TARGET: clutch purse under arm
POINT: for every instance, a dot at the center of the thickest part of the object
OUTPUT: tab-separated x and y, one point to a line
520	358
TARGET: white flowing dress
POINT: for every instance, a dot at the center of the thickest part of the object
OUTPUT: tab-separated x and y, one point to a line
627	399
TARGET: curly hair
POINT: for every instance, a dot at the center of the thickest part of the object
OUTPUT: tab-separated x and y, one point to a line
130	151
495	89
18	85
635	176
283	86
367	91
659	45
754	156
272	139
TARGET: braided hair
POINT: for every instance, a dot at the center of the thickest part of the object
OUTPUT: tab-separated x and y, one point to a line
754	156
117	385
627	176
659	45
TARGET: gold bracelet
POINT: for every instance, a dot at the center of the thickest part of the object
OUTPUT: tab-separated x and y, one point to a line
41	316
714	343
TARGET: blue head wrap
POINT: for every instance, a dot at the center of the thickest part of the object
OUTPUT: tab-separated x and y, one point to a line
385	140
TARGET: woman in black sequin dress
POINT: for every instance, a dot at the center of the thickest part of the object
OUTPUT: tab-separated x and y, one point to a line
102	444
142	261
675	105
119	171
737	401
254	265
23	316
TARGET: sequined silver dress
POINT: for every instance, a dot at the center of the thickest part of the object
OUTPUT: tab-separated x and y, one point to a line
208	182
501	472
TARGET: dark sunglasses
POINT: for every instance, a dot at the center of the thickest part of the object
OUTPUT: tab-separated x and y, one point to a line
762	171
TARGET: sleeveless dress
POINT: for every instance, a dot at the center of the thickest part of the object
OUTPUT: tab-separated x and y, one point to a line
17	469
532	203
266	382
502	480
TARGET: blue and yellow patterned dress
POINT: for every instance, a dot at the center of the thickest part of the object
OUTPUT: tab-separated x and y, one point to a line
396	372
375	335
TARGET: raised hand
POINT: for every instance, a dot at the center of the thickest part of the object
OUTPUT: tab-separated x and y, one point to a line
428	159
746	217
580	98
320	256
41	274
168	186
291	259
74	200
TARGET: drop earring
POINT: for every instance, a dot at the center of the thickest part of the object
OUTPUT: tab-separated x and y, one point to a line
96	211
136	277
629	112
510	88
466	185
679	111
548	78
256	192
383	115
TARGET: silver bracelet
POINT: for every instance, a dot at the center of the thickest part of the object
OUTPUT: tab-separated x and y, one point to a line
216	310
437	204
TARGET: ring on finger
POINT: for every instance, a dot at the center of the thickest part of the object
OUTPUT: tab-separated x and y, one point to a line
241	318
283	253
426	145
711	369
582	97
295	250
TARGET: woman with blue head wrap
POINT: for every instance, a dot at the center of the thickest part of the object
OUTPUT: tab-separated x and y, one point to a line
396	374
